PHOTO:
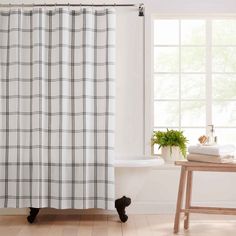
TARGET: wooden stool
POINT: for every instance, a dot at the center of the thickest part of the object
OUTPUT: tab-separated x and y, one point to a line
187	169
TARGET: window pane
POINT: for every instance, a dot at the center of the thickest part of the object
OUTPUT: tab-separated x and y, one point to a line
166	32
193	113
166	114
224	86
193	32
224	32
193	86
193	59
193	135
166	86
166	59
226	136
224	59
224	113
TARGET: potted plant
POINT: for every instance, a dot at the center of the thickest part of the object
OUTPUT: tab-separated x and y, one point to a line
173	144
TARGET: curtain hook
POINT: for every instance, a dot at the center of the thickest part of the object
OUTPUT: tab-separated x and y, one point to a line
68	6
55	6
10	7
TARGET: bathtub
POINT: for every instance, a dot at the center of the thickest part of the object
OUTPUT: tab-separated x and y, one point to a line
132	173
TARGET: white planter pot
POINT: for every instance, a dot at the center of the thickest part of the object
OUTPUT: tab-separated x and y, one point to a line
171	156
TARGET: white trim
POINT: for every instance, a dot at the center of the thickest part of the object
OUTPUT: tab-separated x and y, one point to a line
144	84
53	211
208	73
14	211
176	127
180	76
146	162
147	207
137	207
194	45
177	45
149	82
194	73
176	100
197	16
195	127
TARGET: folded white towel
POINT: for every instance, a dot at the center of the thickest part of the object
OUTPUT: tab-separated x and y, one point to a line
210	158
217	150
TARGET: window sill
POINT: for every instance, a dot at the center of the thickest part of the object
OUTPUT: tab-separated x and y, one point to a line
166	166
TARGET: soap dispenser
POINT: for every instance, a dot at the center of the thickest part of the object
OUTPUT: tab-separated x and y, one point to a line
211	134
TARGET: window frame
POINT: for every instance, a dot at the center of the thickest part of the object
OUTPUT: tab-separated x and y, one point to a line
149	63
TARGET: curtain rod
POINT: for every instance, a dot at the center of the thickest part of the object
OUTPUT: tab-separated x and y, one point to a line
140	6
66	5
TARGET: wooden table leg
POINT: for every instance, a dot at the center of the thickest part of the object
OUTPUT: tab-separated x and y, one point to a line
188	198
180	198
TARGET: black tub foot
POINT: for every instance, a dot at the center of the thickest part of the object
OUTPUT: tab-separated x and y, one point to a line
120	205
33	213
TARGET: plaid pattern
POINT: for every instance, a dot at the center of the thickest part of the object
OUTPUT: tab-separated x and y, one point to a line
57	74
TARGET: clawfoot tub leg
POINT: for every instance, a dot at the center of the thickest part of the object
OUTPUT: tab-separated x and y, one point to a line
120	205
33	213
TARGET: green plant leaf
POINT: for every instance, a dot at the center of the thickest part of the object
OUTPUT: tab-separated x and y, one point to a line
170	138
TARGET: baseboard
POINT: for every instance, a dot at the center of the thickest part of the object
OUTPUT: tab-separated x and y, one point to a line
14	211
135	208
169	207
51	211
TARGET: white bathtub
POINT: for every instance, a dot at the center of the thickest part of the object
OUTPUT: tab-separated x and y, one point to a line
131	174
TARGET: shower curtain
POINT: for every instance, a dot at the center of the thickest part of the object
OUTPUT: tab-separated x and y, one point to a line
57	74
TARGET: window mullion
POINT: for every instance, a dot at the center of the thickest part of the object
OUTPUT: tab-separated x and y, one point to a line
208	72
180	74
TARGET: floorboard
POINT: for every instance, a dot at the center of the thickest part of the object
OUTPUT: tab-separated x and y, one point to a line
109	225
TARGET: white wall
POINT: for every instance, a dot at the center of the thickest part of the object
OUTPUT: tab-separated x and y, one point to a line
158	193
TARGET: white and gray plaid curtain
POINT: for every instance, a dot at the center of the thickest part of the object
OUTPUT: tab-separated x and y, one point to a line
57	72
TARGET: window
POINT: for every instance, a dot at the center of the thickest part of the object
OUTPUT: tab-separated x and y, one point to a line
195	76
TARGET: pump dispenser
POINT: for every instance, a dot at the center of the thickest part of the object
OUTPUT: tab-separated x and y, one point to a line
211	134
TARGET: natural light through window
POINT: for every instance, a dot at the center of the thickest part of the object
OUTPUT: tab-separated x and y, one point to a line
195	76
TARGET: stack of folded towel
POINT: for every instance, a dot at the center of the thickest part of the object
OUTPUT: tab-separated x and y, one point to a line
213	154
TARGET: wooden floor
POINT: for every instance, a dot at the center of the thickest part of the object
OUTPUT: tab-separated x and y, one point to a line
100	225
